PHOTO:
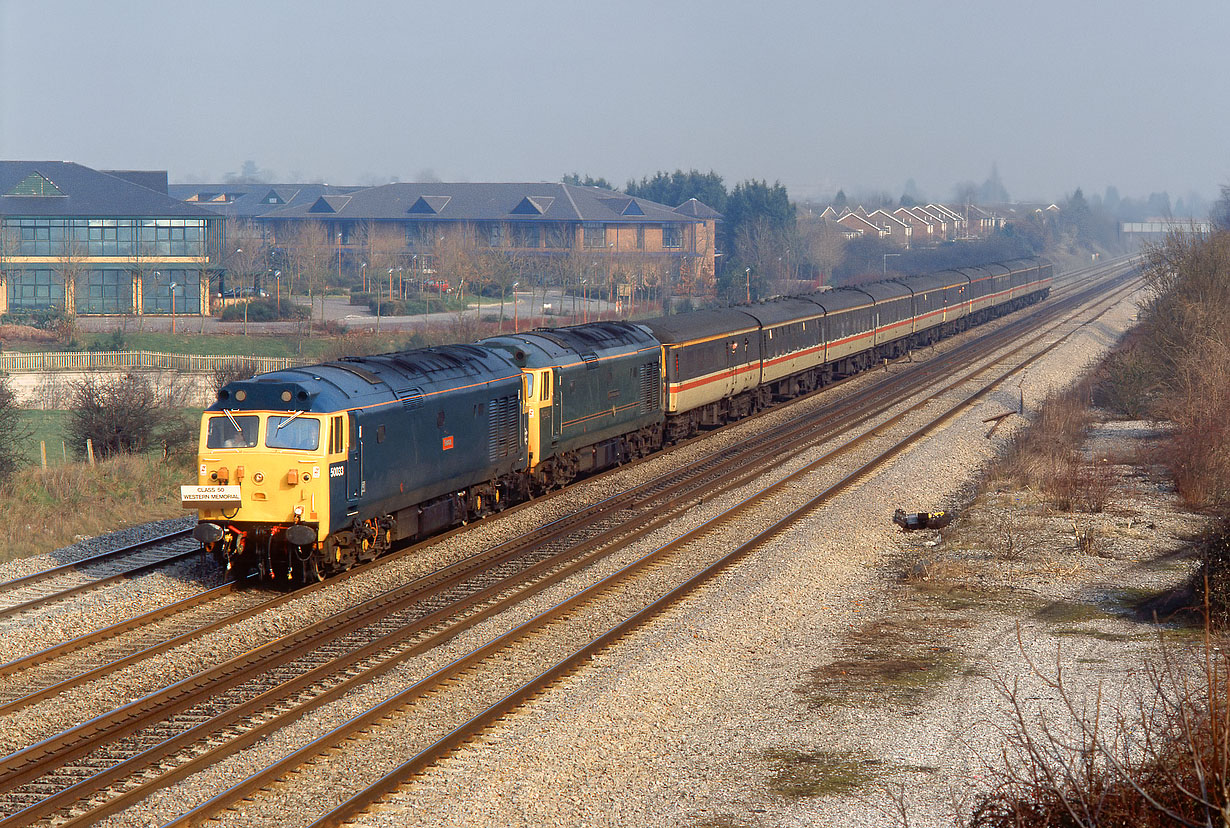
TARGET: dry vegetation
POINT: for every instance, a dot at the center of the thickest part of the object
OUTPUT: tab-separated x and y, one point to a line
1167	761
42	510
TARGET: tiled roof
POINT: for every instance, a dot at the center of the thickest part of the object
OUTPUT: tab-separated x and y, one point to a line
80	192
487	202
250	200
697	209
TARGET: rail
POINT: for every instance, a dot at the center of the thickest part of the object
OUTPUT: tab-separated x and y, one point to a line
25	363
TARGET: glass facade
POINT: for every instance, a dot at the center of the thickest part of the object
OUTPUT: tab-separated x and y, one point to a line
156	291
104	291
34	289
108	237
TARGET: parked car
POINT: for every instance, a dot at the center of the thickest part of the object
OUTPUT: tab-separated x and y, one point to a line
244	293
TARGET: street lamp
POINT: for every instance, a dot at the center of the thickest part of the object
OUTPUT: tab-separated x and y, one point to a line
363	268
748	273
886	255
277	278
238	250
516	317
339	260
171	288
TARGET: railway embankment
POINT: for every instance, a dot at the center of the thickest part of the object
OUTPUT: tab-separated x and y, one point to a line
849	673
833	665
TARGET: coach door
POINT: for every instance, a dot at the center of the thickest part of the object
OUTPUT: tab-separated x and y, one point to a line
555	397
732	367
354	462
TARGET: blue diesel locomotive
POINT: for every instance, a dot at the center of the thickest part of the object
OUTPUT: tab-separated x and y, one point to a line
305	472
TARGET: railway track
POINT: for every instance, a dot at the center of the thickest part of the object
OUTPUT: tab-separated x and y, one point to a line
39	589
159	629
93	769
500	674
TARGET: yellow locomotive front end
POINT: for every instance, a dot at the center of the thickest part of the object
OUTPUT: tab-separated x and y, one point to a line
262	491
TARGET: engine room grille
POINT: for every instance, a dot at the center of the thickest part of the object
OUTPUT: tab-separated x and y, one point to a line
503	427
649	388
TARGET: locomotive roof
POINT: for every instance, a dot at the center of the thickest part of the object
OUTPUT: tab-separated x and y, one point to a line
577	343
701	324
357	382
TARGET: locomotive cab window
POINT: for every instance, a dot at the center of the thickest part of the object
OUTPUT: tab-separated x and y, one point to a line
293	432
337	434
232	432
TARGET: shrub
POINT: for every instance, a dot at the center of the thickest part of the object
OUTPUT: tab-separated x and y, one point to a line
45	319
1128	382
263	310
114	341
1212	581
124	416
388	307
1185	332
232	370
13	432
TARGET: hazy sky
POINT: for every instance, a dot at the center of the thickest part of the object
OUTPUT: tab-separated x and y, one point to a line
860	94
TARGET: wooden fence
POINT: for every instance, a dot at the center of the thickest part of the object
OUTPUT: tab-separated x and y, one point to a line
15	363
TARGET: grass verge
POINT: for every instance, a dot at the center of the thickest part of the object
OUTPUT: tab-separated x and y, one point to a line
44	510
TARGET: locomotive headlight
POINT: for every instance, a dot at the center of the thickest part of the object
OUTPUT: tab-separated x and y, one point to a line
299	510
258	477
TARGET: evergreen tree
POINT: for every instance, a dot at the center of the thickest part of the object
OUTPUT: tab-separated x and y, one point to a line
576	180
675	188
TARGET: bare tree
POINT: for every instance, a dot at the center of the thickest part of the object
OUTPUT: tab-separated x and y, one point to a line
500	269
823	246
455	257
309	254
384	249
761	246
